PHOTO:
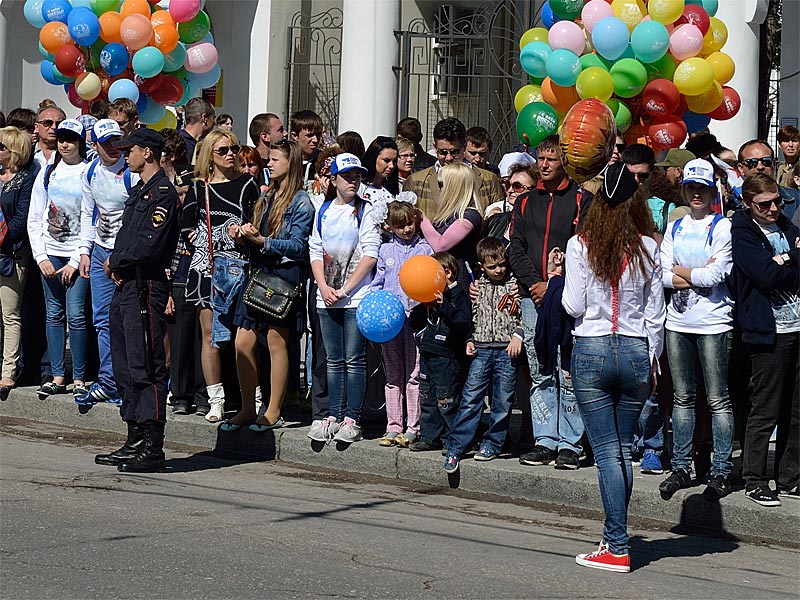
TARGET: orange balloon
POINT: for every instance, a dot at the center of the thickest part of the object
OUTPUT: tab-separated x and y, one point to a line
54	36
136	31
135	7
421	277
586	139
162	17
109	26
559	97
165	38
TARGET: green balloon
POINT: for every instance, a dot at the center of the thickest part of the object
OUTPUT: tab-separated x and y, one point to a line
103	6
622	114
61	77
535	122
93	61
629	76
532	79
593	60
46	54
195	30
567	9
663	68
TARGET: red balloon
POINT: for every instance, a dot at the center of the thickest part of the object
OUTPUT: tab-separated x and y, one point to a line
148	86
730	105
696	15
76	100
169	91
660	97
587	139
70	61
668	131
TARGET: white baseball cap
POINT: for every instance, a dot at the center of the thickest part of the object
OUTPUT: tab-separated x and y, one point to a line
72	125
514	158
106	129
346	162
699	171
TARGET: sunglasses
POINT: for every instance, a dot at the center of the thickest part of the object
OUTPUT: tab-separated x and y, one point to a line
3	147
223	150
642	176
520	187
619	147
767	204
752	163
48	123
455	152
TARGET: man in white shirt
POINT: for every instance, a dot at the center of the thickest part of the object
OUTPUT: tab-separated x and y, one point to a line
47	121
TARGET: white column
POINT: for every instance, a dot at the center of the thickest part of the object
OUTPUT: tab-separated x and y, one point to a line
743	19
4	52
368	88
260	48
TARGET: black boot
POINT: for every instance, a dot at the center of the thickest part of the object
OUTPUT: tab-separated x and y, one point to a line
129	449
151	457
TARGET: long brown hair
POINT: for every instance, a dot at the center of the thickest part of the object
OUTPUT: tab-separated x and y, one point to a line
613	234
282	192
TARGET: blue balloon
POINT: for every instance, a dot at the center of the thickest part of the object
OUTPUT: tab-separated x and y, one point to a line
141	104
695	122
548	16
84	27
650	41
114	58
79	3
209	38
711	6
175	59
45	54
610	37
33	13
380	316
533	58
148	62
123	88
46	69
56	10
62	78
563	67
205	80
153	112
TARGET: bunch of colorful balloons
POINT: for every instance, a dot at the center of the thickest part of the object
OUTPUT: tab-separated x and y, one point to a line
104	49
657	65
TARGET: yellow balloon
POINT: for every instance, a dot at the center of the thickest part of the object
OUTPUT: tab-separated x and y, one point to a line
630	12
716	37
693	76
723	66
526	95
168	121
665	11
595	82
88	86
706	102
537	34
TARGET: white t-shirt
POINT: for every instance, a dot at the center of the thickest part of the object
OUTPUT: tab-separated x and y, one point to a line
340	247
54	218
785	305
705	308
103	204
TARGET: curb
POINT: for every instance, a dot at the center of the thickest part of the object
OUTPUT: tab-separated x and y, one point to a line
735	515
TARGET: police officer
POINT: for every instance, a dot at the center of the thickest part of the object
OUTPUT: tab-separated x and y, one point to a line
142	253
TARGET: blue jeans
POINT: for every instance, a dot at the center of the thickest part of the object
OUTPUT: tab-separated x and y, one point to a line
650	429
70	301
684	350
612	380
102	292
489	366
557	423
227	284
347	361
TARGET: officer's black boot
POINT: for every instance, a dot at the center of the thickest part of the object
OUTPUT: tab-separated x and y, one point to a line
151	458
129	449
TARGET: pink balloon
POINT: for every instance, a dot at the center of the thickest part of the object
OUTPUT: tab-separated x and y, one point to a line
566	34
184	10
685	42
201	57
593	11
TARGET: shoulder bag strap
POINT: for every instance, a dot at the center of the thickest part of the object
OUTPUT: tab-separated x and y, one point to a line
208	227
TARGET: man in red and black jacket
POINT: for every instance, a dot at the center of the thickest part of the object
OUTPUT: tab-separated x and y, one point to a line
544	219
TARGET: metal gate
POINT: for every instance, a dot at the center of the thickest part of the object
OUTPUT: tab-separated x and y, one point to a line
314	50
467	67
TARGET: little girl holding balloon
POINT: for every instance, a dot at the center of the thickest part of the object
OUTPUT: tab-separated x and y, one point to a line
401	355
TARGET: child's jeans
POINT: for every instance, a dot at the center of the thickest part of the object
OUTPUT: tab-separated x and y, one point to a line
401	361
490	366
439	399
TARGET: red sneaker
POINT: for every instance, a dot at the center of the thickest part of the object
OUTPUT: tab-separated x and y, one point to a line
602	558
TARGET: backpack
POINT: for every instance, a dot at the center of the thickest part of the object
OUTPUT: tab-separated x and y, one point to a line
710	239
359	212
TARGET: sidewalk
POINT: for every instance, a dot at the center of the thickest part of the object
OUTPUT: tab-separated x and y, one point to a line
734	515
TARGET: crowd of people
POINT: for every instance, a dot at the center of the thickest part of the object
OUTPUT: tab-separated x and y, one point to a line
612	311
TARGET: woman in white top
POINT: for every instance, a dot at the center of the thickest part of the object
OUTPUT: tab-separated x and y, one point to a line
54	227
344	251
696	256
613	290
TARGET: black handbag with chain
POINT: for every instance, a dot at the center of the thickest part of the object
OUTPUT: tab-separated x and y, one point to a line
270	294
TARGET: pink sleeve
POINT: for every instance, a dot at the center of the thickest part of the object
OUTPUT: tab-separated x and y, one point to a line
450	238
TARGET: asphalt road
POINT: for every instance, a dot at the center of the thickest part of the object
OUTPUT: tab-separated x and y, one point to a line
216	528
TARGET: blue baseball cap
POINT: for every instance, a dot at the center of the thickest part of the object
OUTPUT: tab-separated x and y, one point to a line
346	162
106	129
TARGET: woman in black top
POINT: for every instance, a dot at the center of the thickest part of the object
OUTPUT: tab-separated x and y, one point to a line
220	196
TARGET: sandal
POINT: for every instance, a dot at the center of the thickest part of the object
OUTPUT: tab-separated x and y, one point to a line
49	389
261	428
390	438
217	410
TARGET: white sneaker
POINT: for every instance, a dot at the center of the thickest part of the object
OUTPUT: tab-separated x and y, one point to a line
318	431
348	433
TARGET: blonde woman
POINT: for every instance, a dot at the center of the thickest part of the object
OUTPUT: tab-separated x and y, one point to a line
406	157
454	225
220	196
277	239
16	185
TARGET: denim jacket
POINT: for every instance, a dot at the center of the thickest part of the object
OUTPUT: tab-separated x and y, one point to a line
291	243
227	283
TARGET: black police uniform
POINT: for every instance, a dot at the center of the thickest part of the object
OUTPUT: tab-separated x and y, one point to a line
142	253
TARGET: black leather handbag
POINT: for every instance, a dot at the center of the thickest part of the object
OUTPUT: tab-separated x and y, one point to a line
270	294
